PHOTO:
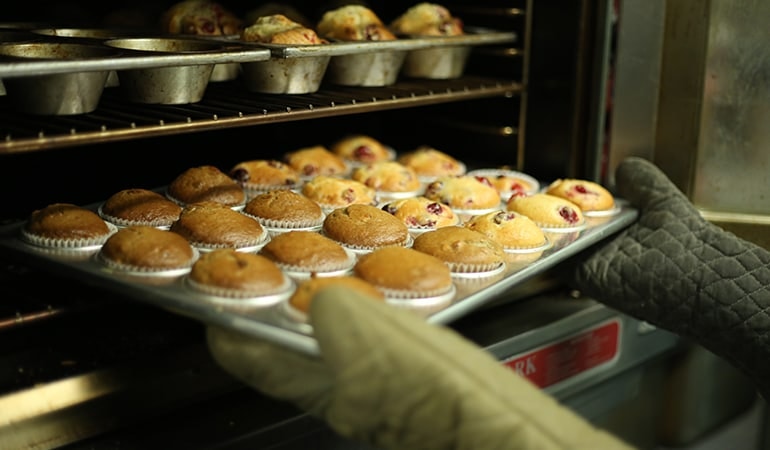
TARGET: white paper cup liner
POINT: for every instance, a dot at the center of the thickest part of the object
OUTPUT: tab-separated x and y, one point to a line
163	224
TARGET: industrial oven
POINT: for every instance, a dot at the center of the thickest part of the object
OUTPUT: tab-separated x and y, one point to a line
84	366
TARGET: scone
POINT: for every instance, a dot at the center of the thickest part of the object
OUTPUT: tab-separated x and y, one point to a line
589	196
64	225
307	253
419	275
237	275
200	17
388	178
203	184
365	228
209	226
430	163
283	210
332	192
512	230
316	160
361	149
279	29
421	214
262	175
138	206
147	249
465	251
464	193
353	23
547	211
427	19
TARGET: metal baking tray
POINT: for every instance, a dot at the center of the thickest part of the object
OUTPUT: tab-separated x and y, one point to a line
271	322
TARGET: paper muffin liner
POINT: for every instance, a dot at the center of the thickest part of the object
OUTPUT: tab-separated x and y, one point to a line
238	207
302	273
533	249
60	243
123	223
293	318
274	225
462	270
549	227
417	298
254	247
603	212
362	250
387	196
242	300
505	195
129	269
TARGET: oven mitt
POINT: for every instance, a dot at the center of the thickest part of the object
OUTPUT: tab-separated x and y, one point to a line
675	270
388	378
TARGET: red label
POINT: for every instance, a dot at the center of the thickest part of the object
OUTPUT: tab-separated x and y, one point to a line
556	362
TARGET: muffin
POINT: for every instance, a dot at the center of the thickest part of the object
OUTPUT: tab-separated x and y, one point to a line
509	182
419	275
548	211
465	251
421	214
430	163
284	210
590	197
279	29
237	275
200	17
317	160
365	228
262	175
307	253
332	192
144	249
353	23
512	230
427	19
299	302
205	184
390	179
464	193
139	207
66	226
361	149
209	226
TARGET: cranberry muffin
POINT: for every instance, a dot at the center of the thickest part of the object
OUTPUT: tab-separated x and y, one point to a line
353	23
333	192
361	149
427	19
512	230
548	211
430	163
388	178
589	196
316	160
421	214
464	193
262	175
279	29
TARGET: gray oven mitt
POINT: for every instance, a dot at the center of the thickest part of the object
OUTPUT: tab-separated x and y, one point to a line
677	271
389	379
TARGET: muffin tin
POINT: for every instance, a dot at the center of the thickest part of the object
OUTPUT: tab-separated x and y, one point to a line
164	69
270	320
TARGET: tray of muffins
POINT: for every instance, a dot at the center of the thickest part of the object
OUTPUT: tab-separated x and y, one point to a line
246	247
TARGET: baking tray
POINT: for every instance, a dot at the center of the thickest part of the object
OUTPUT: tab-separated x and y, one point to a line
271	322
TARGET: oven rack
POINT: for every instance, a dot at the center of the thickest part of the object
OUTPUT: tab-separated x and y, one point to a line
229	105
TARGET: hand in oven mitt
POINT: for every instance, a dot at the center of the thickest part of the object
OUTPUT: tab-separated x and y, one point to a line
677	271
387	378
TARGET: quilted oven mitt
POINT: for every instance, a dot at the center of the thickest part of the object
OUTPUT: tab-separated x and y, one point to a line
388	378
677	271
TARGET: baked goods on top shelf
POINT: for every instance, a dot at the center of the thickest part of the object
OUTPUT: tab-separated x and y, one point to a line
200	17
427	19
279	29
588	195
353	23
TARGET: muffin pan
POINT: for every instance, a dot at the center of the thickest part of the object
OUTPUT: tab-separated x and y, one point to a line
270	321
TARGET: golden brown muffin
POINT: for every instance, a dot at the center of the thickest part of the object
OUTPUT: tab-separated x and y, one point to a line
261	175
365	227
316	160
307	252
387	177
229	273
361	149
547	211
427	19
430	163
64	225
210	225
353	23
140	207
333	192
205	183
464	193
509	229
464	250
306	290
200	17
145	248
279	29
273	8
285	210
587	195
403	273
421	213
